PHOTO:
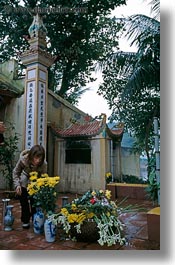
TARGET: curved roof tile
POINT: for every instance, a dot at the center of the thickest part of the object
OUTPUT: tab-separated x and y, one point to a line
87	129
80	130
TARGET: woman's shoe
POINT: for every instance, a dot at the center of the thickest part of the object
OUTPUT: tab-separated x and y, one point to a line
26	225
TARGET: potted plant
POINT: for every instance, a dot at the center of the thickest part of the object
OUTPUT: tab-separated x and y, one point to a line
108	177
43	191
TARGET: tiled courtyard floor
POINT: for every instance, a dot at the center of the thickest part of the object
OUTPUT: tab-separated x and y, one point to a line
25	239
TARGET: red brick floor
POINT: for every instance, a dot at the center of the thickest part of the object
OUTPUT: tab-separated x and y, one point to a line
25	239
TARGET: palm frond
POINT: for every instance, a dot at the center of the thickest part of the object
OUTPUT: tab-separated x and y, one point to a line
155	9
122	59
139	70
140	28
142	77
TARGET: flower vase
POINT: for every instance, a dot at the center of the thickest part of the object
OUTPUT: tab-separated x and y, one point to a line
38	221
8	218
49	230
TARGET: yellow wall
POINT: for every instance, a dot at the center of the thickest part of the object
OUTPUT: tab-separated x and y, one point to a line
60	111
78	178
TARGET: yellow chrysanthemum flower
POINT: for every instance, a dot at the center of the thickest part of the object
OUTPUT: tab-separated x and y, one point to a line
64	211
45	175
73	207
72	218
33	173
90	215
57	178
40	183
108	174
33	178
80	218
108	194
93	193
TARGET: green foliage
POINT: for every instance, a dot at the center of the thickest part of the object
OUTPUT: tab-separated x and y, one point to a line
7	155
132	80
78	39
133	179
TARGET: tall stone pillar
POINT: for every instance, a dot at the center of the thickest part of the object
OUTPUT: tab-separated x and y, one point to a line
37	60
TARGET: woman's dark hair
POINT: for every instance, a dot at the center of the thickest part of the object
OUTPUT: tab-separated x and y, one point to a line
36	151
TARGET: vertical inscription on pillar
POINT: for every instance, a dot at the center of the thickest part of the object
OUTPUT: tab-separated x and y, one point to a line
30	112
41	113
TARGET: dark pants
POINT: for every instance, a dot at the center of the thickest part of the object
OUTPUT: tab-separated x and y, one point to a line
27	208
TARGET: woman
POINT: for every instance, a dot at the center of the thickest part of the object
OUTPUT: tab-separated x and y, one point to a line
30	160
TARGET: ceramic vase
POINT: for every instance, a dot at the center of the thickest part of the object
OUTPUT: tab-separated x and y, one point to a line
8	218
49	231
38	221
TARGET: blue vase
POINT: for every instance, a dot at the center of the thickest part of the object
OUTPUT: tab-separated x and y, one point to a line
8	218
49	231
38	221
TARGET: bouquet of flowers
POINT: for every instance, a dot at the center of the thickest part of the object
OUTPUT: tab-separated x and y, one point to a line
93	206
43	191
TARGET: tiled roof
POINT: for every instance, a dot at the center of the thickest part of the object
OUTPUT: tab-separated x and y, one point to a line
87	129
80	130
117	132
2	127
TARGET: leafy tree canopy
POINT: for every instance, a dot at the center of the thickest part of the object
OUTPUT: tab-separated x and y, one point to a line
77	38
132	80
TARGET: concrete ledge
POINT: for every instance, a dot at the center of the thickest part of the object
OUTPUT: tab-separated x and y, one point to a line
133	191
153	221
127	184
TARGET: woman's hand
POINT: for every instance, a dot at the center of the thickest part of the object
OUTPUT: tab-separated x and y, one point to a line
18	190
